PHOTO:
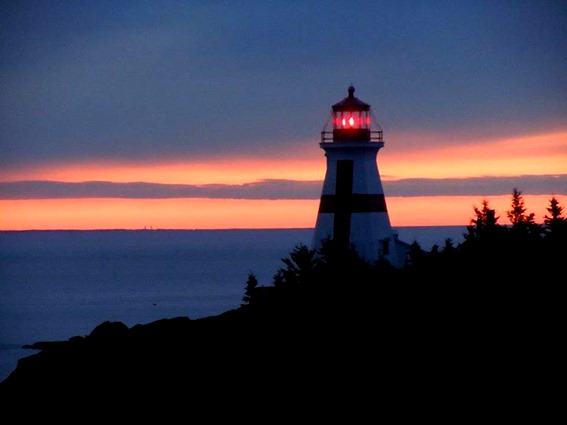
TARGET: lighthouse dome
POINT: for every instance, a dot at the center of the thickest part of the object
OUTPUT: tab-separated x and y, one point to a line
352	121
351	103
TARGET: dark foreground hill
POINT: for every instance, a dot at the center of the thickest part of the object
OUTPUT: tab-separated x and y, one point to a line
385	346
459	331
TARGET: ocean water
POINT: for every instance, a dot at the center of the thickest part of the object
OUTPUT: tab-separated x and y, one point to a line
58	284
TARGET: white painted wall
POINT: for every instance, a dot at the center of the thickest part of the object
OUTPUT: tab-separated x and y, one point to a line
368	230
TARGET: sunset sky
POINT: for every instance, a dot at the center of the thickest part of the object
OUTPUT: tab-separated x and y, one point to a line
207	114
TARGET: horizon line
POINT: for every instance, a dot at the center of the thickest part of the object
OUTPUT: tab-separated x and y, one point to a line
201	229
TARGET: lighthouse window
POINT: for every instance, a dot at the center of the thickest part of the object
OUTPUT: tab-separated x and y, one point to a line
348	122
350	119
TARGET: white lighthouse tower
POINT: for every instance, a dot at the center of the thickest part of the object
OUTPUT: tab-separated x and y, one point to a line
352	210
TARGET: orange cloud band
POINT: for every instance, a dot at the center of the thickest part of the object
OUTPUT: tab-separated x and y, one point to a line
536	155
232	213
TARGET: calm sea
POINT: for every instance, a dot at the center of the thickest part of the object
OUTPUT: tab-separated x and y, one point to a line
59	284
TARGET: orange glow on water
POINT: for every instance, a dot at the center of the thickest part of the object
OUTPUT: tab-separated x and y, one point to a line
198	213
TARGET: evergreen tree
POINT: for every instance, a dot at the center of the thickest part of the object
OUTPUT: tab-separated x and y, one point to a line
484	242
449	255
517	215
555	223
299	267
448	246
555	240
249	292
555	211
416	255
523	224
484	224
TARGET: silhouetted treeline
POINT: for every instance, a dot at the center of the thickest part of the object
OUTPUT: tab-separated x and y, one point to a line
519	252
494	260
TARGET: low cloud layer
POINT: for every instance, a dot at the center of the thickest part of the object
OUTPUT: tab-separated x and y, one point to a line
281	189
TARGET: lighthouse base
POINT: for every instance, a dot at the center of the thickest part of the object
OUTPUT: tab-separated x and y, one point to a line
370	235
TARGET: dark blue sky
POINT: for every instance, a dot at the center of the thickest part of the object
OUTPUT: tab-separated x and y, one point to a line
141	80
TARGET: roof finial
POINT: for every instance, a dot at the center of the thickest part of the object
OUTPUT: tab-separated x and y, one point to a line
351	91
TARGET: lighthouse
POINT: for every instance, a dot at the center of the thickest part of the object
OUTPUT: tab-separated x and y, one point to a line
352	210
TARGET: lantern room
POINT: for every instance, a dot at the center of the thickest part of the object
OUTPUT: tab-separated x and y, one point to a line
351	121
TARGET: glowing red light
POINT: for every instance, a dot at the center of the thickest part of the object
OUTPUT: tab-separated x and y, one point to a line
348	122
351	119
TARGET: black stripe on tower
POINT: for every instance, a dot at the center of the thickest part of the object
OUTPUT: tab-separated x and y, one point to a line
343	197
359	203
